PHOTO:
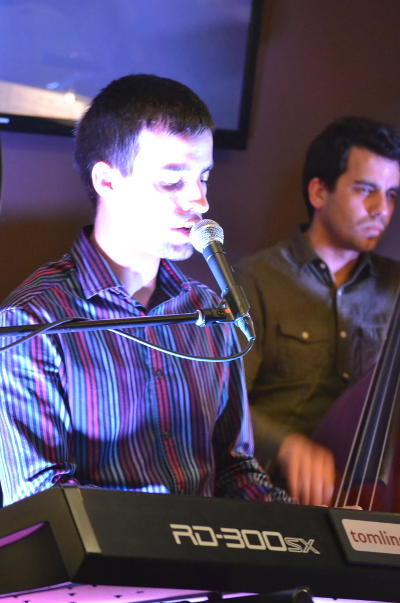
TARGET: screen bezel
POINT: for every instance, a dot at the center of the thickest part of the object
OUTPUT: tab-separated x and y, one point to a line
224	138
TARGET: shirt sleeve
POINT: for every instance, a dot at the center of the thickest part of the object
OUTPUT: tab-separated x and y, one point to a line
238	473
35	451
268	433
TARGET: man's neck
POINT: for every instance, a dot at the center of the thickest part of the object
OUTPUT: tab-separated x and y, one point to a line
137	274
341	262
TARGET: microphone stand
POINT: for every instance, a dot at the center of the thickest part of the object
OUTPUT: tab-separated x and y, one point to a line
200	318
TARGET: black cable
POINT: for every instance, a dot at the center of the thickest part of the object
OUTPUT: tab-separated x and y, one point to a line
48	327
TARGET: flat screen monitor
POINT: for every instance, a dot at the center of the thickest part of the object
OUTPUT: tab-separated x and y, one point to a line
55	56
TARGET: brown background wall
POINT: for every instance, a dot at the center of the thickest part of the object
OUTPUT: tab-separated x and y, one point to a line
318	60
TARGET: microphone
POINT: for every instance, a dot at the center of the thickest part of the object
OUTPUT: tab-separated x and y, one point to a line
207	238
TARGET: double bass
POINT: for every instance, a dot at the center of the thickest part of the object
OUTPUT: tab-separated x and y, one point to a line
362	429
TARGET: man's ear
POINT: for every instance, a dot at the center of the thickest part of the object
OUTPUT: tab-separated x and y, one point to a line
103	178
317	193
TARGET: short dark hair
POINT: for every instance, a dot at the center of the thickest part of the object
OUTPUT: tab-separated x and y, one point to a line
327	155
109	129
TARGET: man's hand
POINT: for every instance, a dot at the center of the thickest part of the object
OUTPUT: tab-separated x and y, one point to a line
309	469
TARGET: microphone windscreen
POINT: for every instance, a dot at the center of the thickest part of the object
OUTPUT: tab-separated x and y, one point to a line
205	232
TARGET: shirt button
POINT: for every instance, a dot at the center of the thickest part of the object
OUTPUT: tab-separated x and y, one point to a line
305	334
322	265
339	292
343	334
345	375
158	373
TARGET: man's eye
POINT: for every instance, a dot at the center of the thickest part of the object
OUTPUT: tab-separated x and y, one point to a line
393	196
363	189
172	186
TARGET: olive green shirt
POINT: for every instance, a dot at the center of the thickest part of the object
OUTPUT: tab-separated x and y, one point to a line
313	339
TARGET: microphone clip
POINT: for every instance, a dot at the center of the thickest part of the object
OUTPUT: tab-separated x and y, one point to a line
209	316
223	314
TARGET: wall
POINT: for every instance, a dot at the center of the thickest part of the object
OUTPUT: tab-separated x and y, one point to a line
43	204
317	61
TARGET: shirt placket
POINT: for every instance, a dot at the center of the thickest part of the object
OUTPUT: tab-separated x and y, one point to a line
163	406
342	336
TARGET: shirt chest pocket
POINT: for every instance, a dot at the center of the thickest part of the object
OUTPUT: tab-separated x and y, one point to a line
303	348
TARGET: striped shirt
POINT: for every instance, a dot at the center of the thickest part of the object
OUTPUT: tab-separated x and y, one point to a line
98	409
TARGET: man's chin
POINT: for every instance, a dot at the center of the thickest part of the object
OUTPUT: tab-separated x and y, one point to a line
368	244
178	253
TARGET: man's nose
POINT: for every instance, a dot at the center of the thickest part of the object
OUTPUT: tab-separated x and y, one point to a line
196	198
379	204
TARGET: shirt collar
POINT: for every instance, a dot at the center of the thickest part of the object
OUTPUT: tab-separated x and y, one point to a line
304	254
301	250
96	275
171	279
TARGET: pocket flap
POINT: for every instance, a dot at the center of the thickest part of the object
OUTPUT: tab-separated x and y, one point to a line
301	330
